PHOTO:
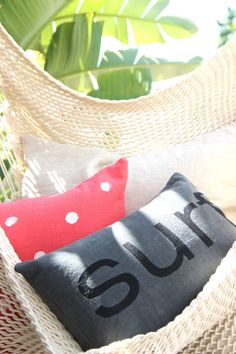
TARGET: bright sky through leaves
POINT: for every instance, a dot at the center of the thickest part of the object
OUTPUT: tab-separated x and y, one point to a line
204	13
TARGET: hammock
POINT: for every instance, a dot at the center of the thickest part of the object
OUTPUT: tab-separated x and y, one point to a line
38	104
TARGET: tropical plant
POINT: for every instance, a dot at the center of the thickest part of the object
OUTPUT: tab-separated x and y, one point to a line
5	164
68	35
228	27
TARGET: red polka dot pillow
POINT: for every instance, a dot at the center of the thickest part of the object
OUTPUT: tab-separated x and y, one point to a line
40	225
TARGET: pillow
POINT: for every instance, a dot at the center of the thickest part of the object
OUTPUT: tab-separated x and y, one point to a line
146	268
54	168
209	162
40	225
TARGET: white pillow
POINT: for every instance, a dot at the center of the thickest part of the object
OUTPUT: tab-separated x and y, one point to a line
209	162
54	168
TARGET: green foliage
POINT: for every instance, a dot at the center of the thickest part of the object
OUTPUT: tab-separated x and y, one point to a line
177	27
7	165
228	27
131	76
24	20
4	156
123	84
74	48
68	35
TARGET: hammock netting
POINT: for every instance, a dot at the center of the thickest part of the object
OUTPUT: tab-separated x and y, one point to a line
205	100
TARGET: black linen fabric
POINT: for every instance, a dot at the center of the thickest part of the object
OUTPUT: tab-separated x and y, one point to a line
136	275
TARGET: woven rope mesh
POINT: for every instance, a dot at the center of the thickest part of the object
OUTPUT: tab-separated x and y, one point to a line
22	310
9	167
203	102
220	339
16	332
174	115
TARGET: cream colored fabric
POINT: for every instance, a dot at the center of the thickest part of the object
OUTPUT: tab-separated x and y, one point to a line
54	168
201	103
209	162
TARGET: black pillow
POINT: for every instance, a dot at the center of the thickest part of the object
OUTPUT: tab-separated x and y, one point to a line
138	274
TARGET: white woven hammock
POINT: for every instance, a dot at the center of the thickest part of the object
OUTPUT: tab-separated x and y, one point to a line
204	101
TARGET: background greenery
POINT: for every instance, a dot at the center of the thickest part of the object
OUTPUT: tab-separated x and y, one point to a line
67	37
227	27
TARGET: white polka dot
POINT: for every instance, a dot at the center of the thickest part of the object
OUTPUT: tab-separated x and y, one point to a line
11	221
105	186
72	217
39	254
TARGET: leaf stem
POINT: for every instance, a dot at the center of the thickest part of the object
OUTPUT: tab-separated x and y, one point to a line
99	70
97	14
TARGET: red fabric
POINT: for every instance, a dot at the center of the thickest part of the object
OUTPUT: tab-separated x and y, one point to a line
40	225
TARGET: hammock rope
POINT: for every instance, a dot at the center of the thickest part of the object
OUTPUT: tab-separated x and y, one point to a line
38	104
202	102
